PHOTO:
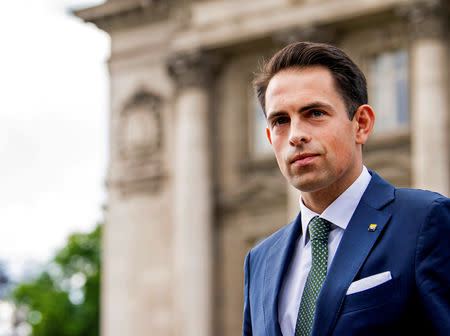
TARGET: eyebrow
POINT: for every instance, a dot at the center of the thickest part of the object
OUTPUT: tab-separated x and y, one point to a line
310	106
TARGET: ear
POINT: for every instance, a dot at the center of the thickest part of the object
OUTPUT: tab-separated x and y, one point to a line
268	135
363	122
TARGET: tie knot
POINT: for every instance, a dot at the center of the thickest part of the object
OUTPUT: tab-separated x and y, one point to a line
319	228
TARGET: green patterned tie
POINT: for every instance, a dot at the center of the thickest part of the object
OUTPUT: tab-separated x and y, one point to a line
318	231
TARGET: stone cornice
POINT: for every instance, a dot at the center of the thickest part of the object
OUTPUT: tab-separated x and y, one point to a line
209	35
117	14
199	30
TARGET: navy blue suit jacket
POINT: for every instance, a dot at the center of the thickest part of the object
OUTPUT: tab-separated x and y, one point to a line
411	241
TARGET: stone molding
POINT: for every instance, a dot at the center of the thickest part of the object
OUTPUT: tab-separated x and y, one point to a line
140	145
193	68
426	18
310	33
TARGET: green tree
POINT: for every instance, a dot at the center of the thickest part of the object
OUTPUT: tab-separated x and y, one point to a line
64	299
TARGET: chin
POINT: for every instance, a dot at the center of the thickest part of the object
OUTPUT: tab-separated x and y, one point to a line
308	183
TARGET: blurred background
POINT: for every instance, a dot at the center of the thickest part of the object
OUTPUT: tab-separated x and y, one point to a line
53	140
136	174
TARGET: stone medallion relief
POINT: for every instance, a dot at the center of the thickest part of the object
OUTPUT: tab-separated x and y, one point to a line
140	126
140	144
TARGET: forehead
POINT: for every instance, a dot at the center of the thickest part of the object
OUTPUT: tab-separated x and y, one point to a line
302	85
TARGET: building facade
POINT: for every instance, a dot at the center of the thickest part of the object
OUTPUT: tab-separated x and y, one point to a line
192	183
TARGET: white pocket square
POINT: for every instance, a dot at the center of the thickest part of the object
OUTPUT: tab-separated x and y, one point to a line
369	282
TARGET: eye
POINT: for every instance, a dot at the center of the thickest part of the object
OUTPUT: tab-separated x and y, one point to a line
316	113
280	121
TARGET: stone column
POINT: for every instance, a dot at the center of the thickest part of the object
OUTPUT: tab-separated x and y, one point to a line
430	96
193	196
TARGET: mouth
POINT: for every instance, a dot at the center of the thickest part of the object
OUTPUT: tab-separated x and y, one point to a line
303	159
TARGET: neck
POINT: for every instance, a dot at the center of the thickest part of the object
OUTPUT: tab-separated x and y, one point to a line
319	200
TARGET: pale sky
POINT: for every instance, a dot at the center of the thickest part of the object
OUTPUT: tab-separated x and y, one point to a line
53	127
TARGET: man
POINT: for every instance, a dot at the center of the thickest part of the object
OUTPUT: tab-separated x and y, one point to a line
362	257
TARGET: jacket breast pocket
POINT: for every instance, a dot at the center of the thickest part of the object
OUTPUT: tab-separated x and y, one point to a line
371	298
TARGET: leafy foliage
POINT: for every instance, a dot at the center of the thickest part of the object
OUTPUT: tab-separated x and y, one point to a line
64	299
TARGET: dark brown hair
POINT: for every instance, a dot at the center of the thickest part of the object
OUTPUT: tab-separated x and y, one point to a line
349	79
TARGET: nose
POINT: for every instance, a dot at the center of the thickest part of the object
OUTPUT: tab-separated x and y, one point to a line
298	135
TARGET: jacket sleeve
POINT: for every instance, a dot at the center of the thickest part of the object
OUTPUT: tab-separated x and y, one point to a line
433	265
247	321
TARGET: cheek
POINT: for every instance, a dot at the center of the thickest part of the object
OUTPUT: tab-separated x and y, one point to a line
277	142
278	148
340	150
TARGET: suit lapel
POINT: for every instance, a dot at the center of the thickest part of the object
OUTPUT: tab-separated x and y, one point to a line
276	266
353	250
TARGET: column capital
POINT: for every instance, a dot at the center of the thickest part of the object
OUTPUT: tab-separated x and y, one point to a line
426	18
310	33
193	68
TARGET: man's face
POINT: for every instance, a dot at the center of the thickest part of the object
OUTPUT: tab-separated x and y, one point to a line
314	140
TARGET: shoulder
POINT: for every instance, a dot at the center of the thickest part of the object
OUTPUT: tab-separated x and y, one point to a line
424	201
381	193
429	212
419	208
432	257
418	195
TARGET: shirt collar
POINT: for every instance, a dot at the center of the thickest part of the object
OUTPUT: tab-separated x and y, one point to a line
341	210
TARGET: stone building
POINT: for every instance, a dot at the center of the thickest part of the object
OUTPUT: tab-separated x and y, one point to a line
193	184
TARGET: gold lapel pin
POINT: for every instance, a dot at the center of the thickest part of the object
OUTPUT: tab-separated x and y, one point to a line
372	227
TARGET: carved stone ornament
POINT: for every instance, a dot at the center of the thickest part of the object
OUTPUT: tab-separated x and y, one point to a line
427	18
140	126
194	68
140	144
